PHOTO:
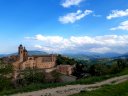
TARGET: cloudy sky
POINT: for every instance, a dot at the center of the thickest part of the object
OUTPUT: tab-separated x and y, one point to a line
98	26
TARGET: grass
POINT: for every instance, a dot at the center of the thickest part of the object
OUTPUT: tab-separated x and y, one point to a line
35	87
109	90
125	71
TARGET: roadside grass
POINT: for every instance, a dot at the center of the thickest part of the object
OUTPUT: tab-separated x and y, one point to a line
39	86
125	71
109	90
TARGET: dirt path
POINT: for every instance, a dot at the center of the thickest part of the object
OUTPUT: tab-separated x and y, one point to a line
72	89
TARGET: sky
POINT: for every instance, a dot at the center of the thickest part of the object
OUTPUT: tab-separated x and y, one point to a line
58	26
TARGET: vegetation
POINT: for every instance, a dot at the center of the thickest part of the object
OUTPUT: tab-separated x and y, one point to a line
5	76
33	76
99	67
65	60
83	68
108	90
38	86
34	79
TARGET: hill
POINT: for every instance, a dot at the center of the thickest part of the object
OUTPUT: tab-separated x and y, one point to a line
2	55
123	56
32	52
92	56
80	56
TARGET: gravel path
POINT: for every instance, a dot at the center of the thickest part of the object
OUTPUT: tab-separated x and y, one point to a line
72	89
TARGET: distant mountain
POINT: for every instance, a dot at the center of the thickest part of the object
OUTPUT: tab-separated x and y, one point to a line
32	52
123	56
109	55
2	55
83	56
92	56
37	53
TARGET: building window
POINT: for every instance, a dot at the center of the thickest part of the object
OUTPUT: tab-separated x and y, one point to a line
30	58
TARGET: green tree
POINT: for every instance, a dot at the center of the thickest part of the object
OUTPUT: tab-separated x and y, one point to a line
5	75
99	69
65	60
33	76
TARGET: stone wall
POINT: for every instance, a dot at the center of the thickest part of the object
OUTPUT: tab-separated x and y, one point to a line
44	62
65	69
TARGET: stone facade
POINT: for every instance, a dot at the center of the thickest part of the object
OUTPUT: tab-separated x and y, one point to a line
65	69
45	62
41	62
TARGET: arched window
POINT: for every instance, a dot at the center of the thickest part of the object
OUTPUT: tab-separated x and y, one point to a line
30	58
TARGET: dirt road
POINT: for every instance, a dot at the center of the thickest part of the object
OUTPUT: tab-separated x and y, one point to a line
72	89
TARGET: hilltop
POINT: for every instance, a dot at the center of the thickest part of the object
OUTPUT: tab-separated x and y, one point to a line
30	52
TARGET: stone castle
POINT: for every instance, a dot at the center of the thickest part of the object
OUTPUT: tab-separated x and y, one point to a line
45	62
40	62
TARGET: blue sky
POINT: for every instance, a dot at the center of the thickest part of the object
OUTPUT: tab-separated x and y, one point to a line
64	25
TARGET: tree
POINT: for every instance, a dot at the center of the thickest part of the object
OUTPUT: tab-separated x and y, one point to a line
99	69
5	75
80	70
65	60
33	76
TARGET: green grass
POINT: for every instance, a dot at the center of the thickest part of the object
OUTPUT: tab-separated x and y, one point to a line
35	87
109	90
125	71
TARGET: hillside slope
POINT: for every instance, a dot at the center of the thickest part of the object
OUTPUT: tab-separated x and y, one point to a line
72	89
111	90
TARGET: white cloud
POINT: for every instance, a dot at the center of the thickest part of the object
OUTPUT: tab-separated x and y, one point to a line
53	39
44	48
122	26
97	44
38	46
73	17
117	13
68	3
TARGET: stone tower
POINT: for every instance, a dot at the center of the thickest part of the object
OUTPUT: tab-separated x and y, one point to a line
22	52
25	54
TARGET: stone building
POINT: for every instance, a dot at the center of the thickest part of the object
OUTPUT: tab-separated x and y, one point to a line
65	69
40	62
44	62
